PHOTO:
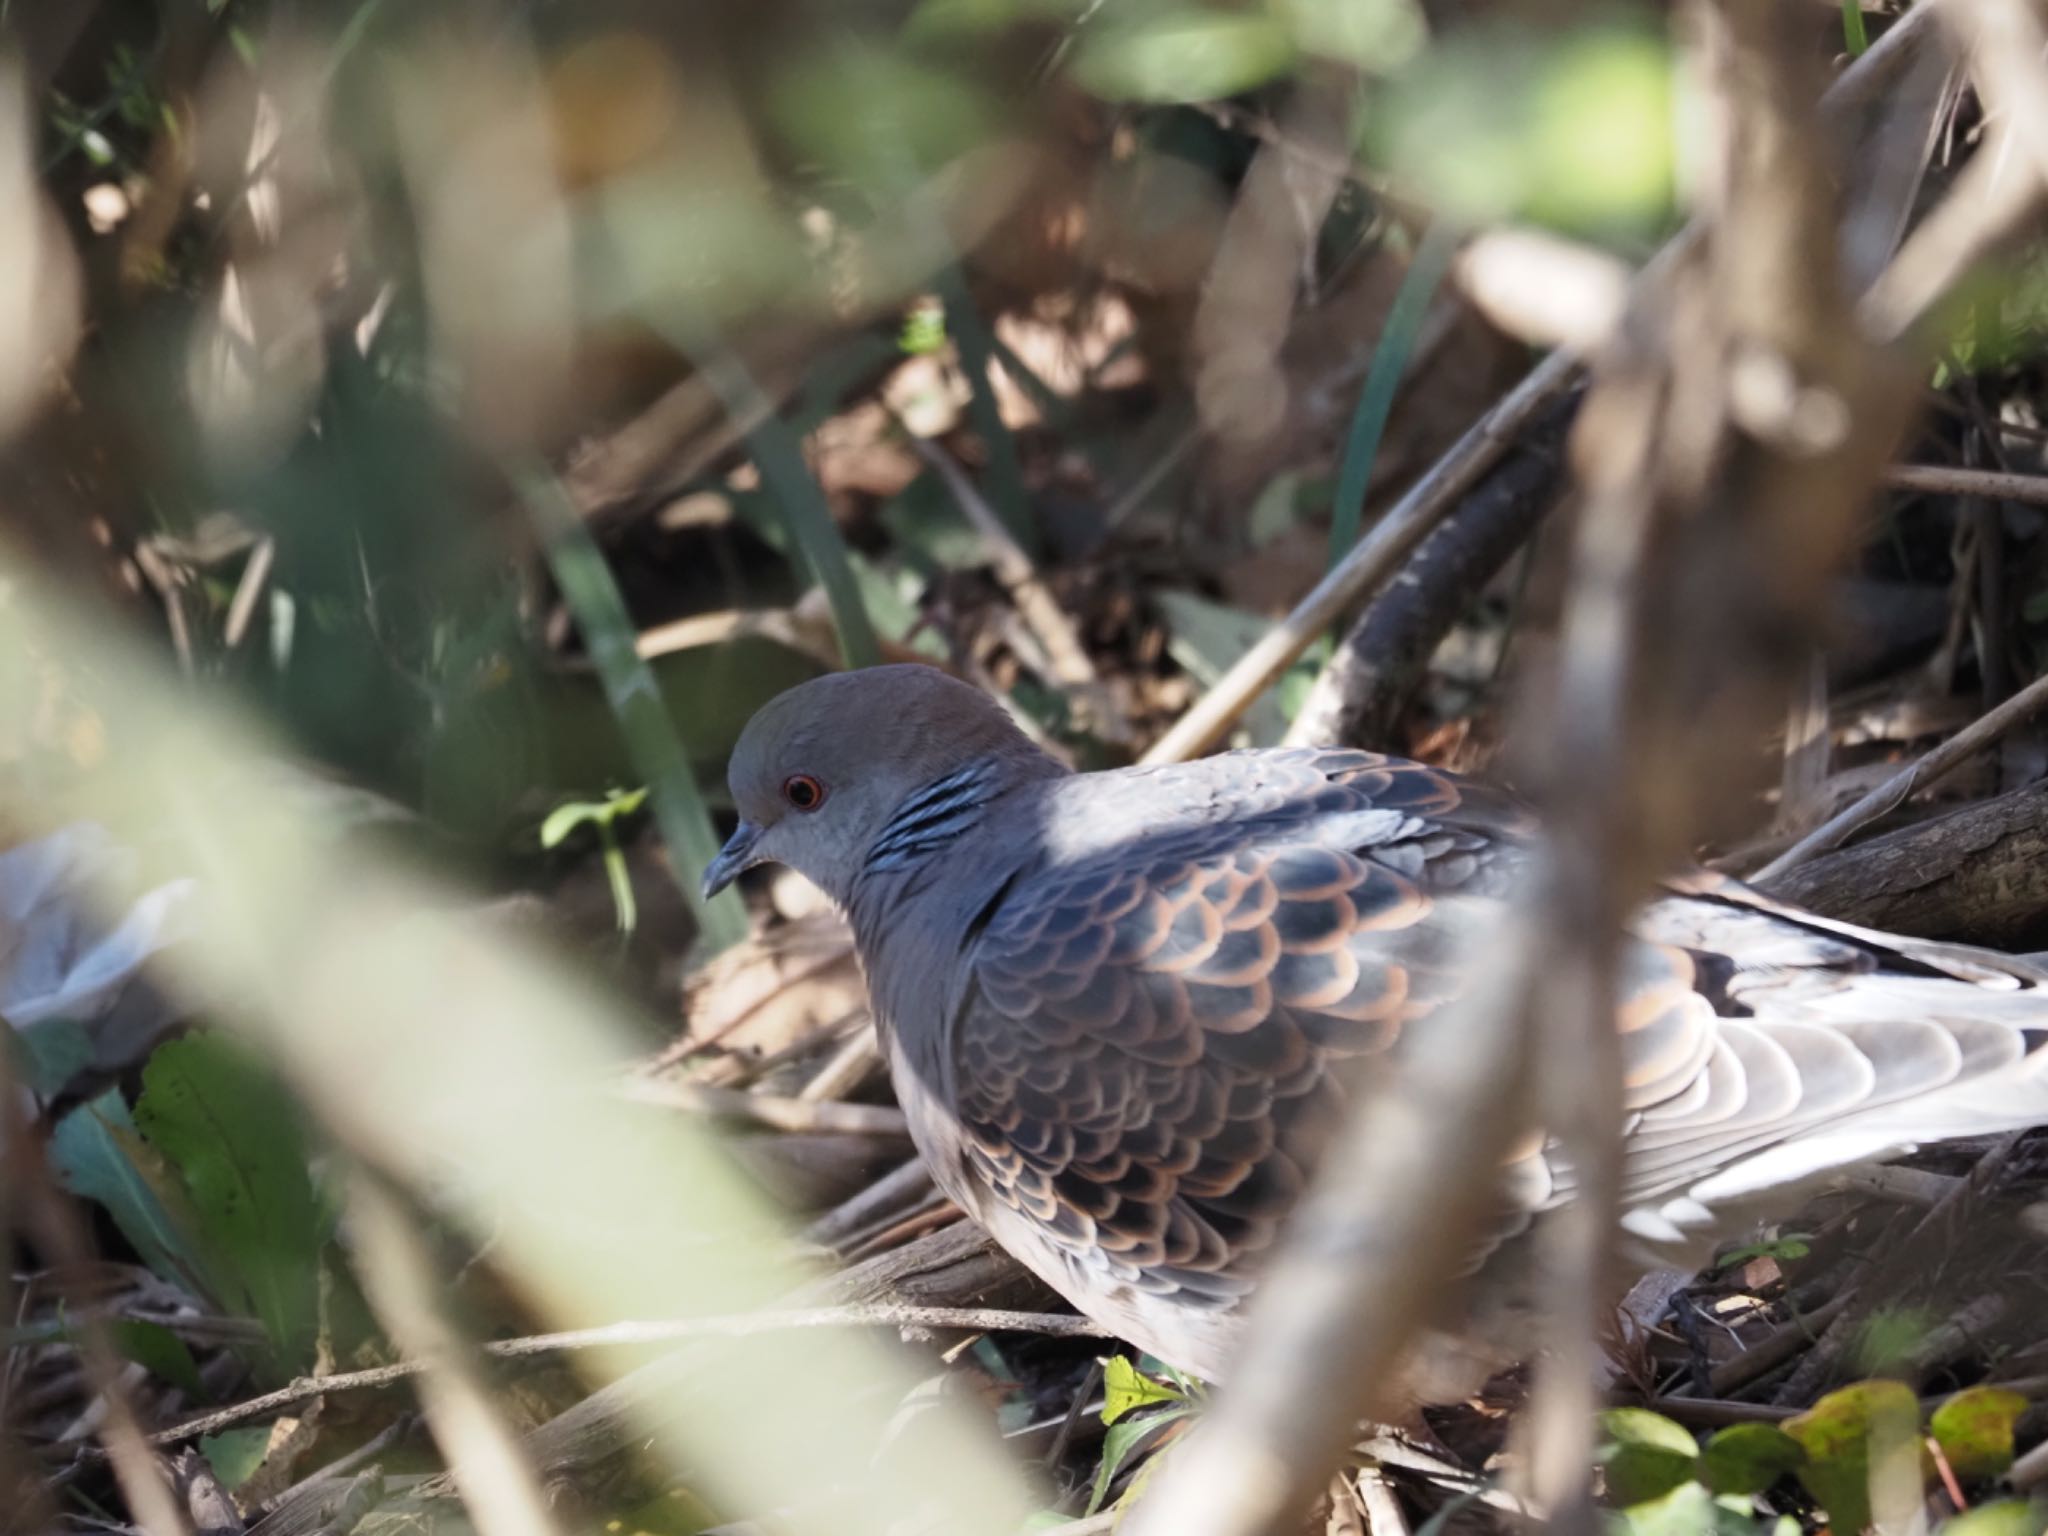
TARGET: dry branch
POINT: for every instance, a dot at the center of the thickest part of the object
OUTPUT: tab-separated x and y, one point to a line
1949	480
1983	732
1359	697
1374	559
483	1455
1062	1325
1980	873
1726	450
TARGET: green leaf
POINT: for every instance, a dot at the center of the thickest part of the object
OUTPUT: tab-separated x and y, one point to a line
51	1053
1889	1337
975	342
1126	1389
2005	1517
159	1351
1844	1435
233	1133
1183	55
924	330
564	819
653	744
1974	1431
1793	1245
1207	639
1375	35
1121	1441
99	1155
1646	1455
1376	399
1748	1458
235	1454
1573	129
876	115
1684	1510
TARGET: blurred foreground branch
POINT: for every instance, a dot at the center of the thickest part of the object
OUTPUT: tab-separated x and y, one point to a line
1726	448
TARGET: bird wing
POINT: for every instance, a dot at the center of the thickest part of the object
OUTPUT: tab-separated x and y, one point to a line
1155	1040
1162	1021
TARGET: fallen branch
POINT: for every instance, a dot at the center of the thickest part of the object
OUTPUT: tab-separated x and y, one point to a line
1979	873
1958	749
1359	697
1372	561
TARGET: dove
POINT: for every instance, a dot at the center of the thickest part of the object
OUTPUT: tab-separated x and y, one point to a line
1122	1010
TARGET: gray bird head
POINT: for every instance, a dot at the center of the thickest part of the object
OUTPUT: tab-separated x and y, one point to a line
821	770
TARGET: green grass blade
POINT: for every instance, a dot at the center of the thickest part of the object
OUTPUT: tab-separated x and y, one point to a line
779	454
1376	400
1853	34
654	746
975	341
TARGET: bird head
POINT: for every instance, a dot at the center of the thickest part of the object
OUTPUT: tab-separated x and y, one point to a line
822	770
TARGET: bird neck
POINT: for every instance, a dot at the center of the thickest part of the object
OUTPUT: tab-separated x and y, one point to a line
939	814
944	851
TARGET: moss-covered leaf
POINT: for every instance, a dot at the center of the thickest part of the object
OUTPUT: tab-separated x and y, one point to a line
2006	1517
1845	1435
1974	1430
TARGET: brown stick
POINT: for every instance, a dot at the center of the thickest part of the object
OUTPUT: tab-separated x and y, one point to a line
1371	561
1951	754
1359	697
977	1319
776	1111
1951	480
1980	874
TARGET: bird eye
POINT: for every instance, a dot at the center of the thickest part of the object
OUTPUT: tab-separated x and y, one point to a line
803	792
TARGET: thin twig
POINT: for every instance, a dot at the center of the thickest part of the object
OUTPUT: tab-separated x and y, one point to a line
741	1325
1983	732
1951	480
255	576
774	1110
484	1457
1049	622
858	1054
1376	557
1371	561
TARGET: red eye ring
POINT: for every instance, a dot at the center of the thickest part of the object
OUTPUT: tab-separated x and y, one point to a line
803	792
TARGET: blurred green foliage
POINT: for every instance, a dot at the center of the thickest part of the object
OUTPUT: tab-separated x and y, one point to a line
1662	1481
208	1178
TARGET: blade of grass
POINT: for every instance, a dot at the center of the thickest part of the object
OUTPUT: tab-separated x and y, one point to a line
1853	35
1376	400
975	342
779	454
652	743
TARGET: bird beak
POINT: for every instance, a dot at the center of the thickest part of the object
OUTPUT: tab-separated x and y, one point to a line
736	855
